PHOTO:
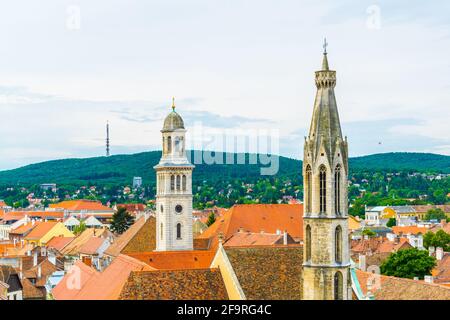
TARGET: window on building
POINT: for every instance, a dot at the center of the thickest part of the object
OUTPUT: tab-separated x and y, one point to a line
178	182
323	189
308	188
184	182
172	182
161	230
178	230
308	243
337	190
338	244
338	286
169	144
177	144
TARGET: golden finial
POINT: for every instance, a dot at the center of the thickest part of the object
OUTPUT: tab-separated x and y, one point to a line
173	103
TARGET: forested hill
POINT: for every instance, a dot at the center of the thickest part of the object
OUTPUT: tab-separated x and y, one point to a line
120	169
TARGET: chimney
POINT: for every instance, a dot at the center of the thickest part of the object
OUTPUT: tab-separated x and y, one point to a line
39	272
430	250
439	253
285	237
35	258
362	262
428	279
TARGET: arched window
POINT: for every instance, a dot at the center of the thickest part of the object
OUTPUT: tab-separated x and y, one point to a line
172	182
308	243
169	144
337	190
323	189
178	230
338	286
161	230
177	144
308	189
164	145
178	182
184	182
338	244
182	144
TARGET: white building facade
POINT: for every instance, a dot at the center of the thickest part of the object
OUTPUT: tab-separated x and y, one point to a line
174	189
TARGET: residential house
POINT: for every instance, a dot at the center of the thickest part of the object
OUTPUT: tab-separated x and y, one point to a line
45	231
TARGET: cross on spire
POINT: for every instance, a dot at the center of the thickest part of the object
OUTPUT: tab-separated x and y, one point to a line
325	45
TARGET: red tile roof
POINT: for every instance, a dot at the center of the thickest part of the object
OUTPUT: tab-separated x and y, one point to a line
409	230
240	239
256	218
176	260
98	286
27	227
92	245
80	205
41	230
59	243
392	288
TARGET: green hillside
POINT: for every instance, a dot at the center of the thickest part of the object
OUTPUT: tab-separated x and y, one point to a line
122	168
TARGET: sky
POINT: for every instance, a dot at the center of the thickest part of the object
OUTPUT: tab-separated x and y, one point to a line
67	67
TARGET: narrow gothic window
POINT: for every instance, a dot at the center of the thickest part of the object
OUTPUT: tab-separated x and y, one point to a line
169	144
178	182
338	286
161	230
172	182
337	189
178	230
338	244
184	182
308	243
323	188
308	189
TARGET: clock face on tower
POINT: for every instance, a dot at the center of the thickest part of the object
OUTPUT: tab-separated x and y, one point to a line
178	208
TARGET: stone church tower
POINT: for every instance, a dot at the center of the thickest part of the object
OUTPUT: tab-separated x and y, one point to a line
326	261
174	188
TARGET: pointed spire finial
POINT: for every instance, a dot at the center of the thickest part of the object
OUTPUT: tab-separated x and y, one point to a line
325	59
173	103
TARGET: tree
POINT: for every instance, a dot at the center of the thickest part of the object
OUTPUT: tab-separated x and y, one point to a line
121	221
211	219
77	230
408	263
369	233
435	214
438	239
392	222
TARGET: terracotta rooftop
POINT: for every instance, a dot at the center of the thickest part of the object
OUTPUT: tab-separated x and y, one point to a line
106	285
200	284
41	230
392	288
409	230
80	205
47	268
268	273
92	245
59	243
256	218
73	248
25	228
176	260
245	239
442	271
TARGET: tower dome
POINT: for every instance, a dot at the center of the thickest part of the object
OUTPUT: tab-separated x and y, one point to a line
173	121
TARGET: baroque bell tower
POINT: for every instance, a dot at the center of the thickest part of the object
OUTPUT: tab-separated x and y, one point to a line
326	261
174	188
